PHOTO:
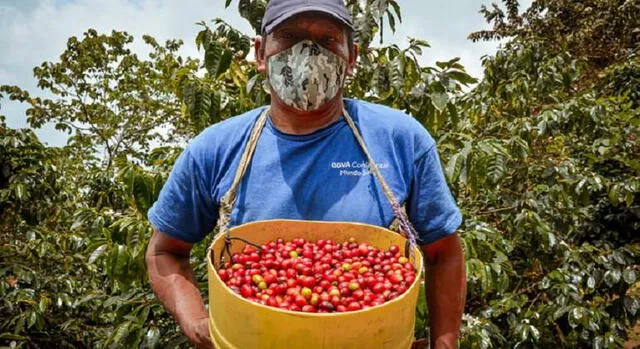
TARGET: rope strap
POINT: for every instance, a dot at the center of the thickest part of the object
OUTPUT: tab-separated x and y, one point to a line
228	200
403	220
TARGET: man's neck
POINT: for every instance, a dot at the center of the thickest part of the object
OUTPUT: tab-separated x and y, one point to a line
292	121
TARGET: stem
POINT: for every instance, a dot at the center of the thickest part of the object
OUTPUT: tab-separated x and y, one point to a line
495	210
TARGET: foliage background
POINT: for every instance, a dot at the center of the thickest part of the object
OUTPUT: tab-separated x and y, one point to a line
542	155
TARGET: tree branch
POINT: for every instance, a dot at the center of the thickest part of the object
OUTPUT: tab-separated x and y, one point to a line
496	210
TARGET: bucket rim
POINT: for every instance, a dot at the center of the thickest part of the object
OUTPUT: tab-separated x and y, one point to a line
415	283
285	220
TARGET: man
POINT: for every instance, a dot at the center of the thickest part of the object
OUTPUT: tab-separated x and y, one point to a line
308	165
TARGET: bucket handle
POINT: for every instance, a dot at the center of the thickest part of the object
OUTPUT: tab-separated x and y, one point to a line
227	249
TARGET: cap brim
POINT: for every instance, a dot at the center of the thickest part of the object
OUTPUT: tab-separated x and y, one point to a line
279	20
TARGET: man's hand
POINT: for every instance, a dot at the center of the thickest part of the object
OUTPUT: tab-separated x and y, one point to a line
198	333
172	281
446	289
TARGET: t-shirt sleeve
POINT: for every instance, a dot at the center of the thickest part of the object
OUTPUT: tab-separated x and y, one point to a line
431	207
184	210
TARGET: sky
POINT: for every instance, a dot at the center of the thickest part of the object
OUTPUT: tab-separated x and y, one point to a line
35	31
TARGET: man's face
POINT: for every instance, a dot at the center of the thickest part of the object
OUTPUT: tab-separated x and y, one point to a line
316	27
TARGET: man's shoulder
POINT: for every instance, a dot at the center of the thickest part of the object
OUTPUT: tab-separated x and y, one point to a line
225	133
400	126
384	117
375	108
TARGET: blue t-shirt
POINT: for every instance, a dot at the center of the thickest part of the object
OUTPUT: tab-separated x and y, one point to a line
319	176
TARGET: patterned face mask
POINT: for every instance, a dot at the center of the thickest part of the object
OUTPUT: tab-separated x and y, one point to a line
306	75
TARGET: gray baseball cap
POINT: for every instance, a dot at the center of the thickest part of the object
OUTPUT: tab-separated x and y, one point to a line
278	11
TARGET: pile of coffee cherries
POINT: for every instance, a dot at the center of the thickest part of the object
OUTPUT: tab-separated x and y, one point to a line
318	277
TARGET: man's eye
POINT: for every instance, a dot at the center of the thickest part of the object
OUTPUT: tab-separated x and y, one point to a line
285	36
328	41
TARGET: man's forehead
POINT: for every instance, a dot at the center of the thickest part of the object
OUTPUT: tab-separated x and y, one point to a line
309	20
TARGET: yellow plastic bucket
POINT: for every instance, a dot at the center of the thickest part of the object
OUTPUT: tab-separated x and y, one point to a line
240	324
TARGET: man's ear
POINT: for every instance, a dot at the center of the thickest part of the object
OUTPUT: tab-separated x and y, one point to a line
353	58
259	53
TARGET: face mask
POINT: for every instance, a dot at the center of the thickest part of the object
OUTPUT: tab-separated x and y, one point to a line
306	75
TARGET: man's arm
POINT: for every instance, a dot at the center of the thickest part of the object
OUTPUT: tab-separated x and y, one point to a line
172	281
446	288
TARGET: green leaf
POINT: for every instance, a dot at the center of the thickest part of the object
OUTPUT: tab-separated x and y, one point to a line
20	191
534	332
19	325
396	72
574	317
591	282
396	9
439	100
629	276
631	304
121	332
453	112
598	342
143	315
551	239
612	277
452	170
212	57
629	198
11	336
97	253
545	283
202	39
252	82
392	21
224	63
462	77
560	312
33	317
151	338
442	65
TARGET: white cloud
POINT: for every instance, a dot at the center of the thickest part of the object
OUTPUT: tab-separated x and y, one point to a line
34	31
446	25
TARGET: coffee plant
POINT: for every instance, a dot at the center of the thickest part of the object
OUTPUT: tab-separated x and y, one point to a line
542	154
